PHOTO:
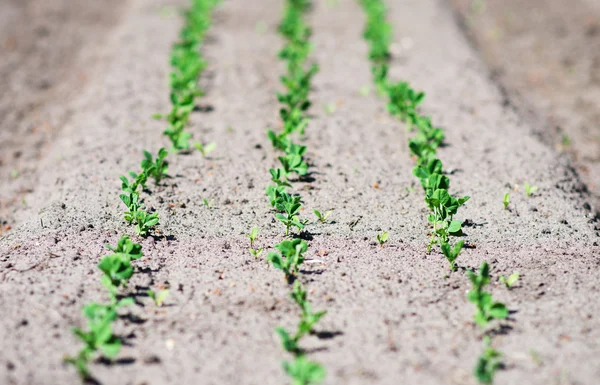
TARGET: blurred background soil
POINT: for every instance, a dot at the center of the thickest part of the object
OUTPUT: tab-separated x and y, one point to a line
545	54
47	50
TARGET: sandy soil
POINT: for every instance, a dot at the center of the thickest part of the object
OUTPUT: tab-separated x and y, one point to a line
546	56
48	51
395	314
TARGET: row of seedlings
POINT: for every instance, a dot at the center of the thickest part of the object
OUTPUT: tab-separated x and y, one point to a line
187	63
403	102
290	253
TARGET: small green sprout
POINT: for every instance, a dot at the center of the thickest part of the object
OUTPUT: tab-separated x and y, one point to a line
144	222
290	256
99	337
117	267
256	252
208	203
530	189
304	372
511	280
488	363
365	90
452	252
205	149
487	309
253	235
290	206
308	318
329	108
155	168
565	141
506	200
158	297
322	217
382	238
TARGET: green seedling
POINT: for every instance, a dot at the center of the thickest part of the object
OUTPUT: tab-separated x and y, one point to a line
488	363
99	336
330	108
288	342
208	203
206	148
308	318
382	238
452	252
275	193
117	267
565	141
293	163
506	200
253	235
304	372
530	189
289	206
511	280
144	222
155	168
279	177
158	297
256	252
487	309
322	217
289	257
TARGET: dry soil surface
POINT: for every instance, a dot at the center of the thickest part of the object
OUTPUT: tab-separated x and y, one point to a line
546	56
395	314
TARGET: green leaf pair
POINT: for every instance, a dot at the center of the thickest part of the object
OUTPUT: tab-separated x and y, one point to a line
487	309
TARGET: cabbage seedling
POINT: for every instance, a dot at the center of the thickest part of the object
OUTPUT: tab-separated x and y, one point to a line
487	309
382	238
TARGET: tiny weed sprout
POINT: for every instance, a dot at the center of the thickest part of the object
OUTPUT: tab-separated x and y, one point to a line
208	203
511	280
290	256
382	238
487	309
206	148
488	363
253	235
322	217
158	297
256	252
506	200
530	189
304	372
